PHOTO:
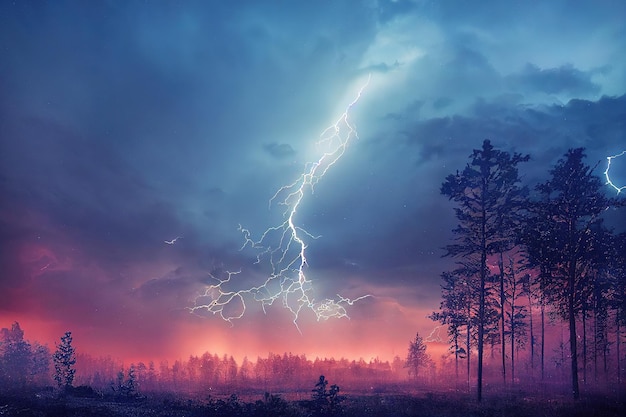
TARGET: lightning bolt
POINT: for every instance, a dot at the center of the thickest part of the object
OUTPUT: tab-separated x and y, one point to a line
434	336
171	242
606	172
285	245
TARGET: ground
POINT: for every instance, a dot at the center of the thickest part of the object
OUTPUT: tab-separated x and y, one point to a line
448	404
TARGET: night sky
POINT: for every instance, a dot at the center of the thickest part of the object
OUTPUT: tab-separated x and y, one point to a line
125	124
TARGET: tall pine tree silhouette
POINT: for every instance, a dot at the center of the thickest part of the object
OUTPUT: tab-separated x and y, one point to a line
64	360
487	195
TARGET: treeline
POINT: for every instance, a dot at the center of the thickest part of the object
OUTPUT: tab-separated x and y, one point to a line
23	363
31	364
223	374
529	258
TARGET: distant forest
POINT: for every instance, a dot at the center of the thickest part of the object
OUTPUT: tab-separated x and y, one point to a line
24	364
537	298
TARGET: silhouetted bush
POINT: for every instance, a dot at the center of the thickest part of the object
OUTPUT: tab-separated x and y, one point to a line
274	406
326	402
82	391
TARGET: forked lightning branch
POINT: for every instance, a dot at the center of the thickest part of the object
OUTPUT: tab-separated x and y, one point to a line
609	180
284	246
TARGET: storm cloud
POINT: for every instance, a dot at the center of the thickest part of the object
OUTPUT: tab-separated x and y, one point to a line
125	125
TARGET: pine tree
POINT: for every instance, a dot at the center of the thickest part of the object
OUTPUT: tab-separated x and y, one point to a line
618	298
516	317
319	392
487	195
131	381
540	252
64	360
126	388
417	357
453	312
40	364
570	208
15	356
326	402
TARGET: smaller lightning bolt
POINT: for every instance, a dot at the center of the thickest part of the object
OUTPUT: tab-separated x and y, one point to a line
335	308
217	299
606	172
434	336
171	242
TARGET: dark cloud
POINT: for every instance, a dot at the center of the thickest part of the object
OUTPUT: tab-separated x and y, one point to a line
279	150
442	102
543	132
410	112
82	184
565	78
382	68
179	283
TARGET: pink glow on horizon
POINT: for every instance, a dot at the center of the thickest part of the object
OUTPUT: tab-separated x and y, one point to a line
129	311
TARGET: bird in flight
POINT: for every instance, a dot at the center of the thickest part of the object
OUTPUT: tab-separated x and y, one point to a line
171	242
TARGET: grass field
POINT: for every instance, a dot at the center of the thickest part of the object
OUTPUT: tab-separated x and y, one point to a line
429	404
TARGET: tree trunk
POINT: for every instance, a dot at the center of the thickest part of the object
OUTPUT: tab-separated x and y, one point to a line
502	318
619	365
605	353
595	344
512	352
571	289
584	318
513	289
481	296
468	345
543	335
481	327
456	358
532	335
